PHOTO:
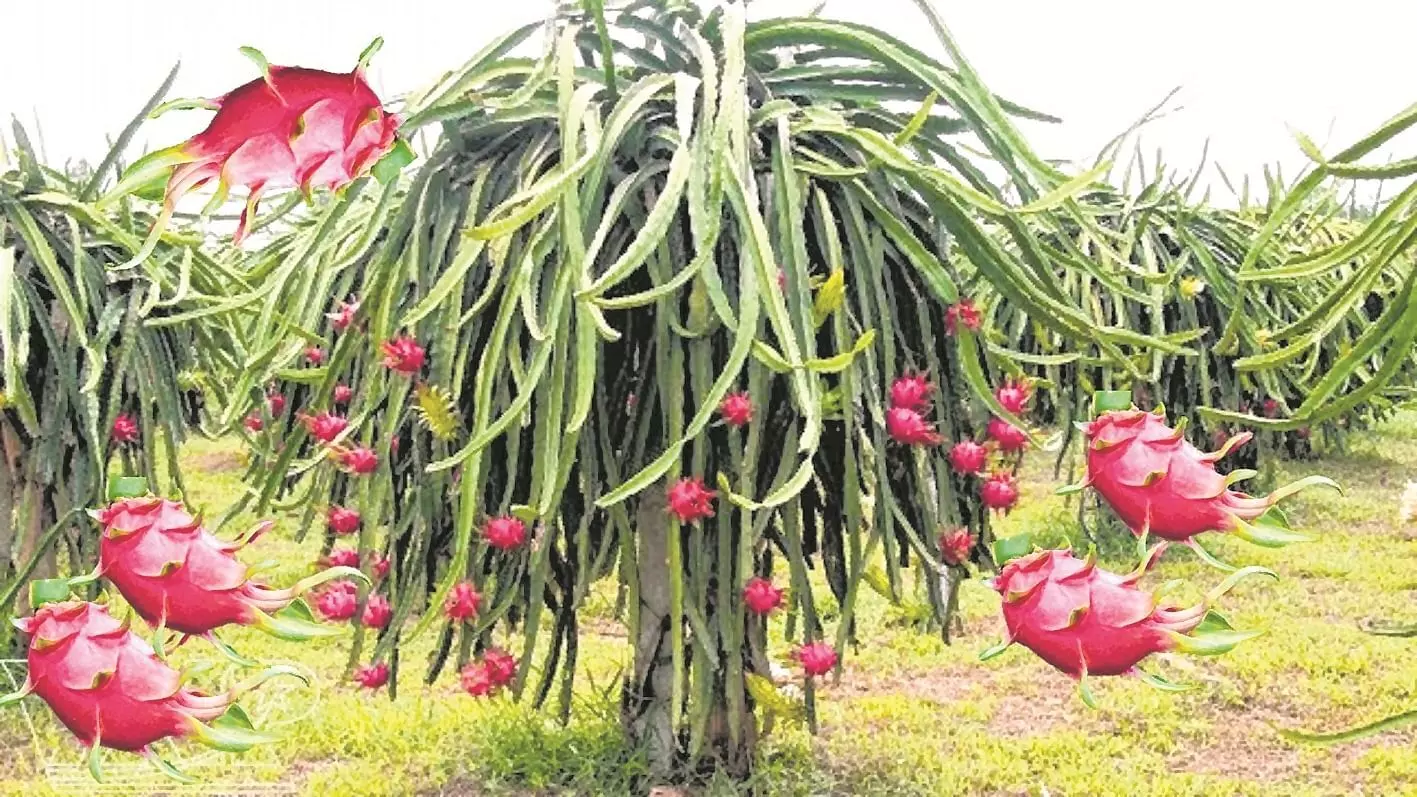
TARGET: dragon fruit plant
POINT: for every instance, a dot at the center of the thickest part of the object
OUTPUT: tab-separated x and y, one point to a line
579	330
1087	621
1160	484
110	688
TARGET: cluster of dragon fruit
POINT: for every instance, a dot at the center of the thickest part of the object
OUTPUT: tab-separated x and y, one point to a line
308	129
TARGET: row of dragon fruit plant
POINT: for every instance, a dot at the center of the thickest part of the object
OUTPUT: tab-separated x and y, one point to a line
478	300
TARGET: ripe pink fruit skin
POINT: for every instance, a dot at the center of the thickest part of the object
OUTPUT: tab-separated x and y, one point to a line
912	392
817	659
476	679
276	403
254	424
1079	617
343	315
690	501
501	666
962	312
378	565
293	127
907	427
372	676
736	409
504	533
1158	483
404	355
999	492
1009	438
173	571
343	394
360	461
1013	396
462	602
105	683
955	545
338	601
377	612
325	426
342	557
315	356
125	429
343	521
761	597
968	456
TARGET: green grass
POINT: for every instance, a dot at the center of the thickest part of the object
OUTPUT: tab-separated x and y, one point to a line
911	715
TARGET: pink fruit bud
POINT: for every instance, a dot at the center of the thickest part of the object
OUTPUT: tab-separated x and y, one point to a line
360	461
955	545
1008	437
968	457
999	492
125	430
907	427
476	679
372	676
462	602
378	565
338	601
1013	396
817	659
736	409
404	355
276	403
912	392
690	501
761	597
253	423
342	557
315	356
343	521
504	533
501	666
343	316
343	394
325	426
377	612
962	312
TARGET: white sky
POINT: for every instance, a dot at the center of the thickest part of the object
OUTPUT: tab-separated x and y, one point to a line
1248	68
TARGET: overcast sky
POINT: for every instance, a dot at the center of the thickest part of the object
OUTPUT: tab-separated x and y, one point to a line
1248	69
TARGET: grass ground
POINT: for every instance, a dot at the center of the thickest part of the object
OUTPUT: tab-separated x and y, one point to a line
911	715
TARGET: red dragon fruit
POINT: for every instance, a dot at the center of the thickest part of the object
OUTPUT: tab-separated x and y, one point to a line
125	430
462	602
378	565
1084	620
1158	483
315	356
963	313
342	557
276	403
504	533
343	521
372	676
338	601
1008	437
736	409
817	658
912	392
377	612
690	501
325	426
343	315
1013	396
968	457
254	424
999	492
292	127
404	355
955	545
501	666
476	679
1270	408
343	394
760	596
360	461
177	575
908	427
110	689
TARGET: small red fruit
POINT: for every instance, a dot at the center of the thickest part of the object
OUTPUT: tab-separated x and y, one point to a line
360	461
968	456
999	491
125	429
1013	395
253	423
372	676
962	312
343	394
817	658
955	545
476	679
325	427
912	392
736	409
690	501
1009	438
378	565
315	356
462	602
276	403
761	597
342	557
504	533
403	354
377	612
501	666
343	316
343	521
1271	408
338	601
906	426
